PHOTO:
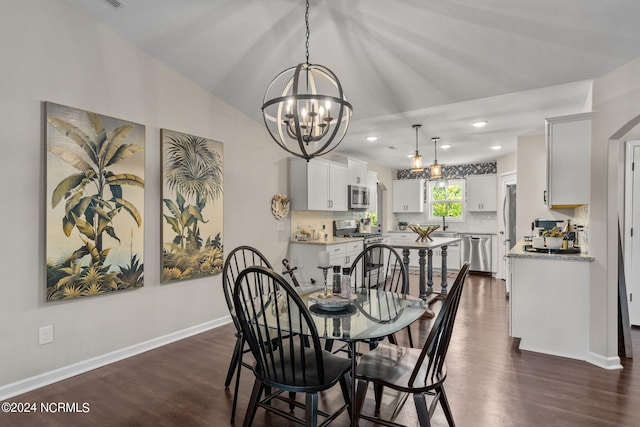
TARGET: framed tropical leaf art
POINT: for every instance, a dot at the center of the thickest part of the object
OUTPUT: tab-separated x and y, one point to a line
192	196
95	203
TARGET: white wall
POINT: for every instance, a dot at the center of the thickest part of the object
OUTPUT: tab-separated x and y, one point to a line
616	101
532	182
51	52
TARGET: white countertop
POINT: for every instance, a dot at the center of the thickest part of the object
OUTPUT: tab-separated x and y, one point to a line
519	252
437	242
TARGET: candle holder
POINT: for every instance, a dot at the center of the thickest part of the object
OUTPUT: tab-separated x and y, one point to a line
326	294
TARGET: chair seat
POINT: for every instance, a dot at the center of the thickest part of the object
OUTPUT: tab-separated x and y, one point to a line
334	368
392	365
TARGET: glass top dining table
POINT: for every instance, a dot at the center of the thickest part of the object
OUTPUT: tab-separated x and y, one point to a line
372	314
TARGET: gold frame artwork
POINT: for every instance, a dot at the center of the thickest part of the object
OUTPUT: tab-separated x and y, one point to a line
95	203
192	206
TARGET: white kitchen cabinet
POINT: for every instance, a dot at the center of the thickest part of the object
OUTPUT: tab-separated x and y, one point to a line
482	193
317	185
568	161
357	172
453	258
306	256
408	195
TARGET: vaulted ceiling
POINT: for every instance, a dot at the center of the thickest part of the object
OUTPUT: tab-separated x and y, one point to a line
439	63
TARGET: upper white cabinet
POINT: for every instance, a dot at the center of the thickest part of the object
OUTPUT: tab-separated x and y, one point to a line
408	195
568	161
357	172
482	193
317	185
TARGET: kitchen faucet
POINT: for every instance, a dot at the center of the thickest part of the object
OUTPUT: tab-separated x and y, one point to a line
444	224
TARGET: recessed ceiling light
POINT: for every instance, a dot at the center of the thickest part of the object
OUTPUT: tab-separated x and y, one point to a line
445	146
480	124
391	147
372	138
496	147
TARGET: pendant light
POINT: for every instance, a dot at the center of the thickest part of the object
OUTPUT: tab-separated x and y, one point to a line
416	160
305	109
435	170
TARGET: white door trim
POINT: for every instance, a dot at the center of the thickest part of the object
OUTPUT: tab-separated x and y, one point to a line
634	313
505	179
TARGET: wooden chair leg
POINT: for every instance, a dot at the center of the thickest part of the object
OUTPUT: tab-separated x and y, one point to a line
235	392
377	392
328	345
444	402
422	409
361	394
253	403
292	396
346	391
311	409
410	337
234	364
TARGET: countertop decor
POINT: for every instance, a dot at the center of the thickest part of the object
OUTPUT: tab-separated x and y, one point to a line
424	232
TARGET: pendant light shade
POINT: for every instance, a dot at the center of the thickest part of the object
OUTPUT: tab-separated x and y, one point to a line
416	160
435	170
305	109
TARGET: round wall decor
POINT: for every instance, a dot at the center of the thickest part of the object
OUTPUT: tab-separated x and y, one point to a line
280	206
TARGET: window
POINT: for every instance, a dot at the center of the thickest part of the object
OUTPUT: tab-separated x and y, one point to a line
446	201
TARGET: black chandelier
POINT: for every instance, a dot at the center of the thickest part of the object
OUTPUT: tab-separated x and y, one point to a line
304	108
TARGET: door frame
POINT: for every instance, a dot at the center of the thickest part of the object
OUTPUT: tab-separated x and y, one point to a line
634	315
507	178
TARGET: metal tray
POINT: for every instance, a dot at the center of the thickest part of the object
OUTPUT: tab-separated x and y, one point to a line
530	248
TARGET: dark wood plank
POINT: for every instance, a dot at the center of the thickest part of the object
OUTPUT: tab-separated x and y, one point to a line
490	382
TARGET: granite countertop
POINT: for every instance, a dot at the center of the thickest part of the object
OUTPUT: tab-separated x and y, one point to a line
331	240
519	252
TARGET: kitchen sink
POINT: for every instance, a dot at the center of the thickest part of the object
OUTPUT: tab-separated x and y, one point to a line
440	233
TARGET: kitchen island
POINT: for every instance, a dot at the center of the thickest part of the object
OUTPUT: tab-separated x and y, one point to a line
549	302
425	258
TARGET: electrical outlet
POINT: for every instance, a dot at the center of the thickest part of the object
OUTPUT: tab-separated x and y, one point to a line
45	335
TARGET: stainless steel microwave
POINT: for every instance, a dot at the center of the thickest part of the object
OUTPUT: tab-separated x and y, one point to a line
358	197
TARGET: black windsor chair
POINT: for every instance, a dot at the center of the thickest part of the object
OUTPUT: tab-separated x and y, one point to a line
380	267
285	343
237	260
419	372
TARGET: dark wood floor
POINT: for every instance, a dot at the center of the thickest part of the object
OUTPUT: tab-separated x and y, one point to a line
490	382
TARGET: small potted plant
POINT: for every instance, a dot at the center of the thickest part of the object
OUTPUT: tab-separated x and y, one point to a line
402	225
553	238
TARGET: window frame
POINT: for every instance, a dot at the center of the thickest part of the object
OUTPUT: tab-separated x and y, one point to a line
462	200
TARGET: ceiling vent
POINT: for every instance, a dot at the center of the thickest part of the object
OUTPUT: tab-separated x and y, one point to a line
115	4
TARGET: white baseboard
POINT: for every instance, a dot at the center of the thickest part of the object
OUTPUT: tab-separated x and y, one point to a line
46	378
610	363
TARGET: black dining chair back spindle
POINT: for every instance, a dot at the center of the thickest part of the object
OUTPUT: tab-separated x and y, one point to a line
380	267
285	344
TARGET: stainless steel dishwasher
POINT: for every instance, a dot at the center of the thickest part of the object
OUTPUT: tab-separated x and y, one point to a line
476	250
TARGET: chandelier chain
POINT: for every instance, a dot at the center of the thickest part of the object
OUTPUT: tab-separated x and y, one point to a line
306	20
